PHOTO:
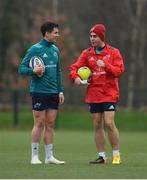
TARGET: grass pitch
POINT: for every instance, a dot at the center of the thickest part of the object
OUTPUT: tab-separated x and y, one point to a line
76	148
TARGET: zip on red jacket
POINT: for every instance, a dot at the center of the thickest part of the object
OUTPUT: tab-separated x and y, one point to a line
103	85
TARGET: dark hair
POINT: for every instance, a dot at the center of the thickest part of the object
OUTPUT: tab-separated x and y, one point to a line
48	27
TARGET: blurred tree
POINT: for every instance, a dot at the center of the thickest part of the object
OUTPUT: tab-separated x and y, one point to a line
136	11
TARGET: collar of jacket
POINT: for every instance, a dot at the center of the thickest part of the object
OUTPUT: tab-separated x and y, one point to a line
45	42
103	52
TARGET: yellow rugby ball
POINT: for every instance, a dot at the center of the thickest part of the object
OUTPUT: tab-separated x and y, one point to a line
84	73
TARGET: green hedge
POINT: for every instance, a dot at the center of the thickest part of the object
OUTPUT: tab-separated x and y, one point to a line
77	119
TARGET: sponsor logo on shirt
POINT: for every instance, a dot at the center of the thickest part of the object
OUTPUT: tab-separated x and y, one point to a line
51	65
98	73
51	62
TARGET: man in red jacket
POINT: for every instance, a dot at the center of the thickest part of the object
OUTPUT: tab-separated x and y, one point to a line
102	94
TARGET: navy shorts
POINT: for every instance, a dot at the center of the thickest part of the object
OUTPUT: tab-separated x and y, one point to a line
43	101
101	107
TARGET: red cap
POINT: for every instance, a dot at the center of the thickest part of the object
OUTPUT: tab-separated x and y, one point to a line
100	30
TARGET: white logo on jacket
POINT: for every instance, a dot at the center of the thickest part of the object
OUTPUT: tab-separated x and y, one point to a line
45	55
91	58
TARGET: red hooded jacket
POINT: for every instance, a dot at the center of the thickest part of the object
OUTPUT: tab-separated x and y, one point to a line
103	85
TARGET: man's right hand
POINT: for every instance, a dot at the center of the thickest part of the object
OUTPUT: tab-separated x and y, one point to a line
78	81
39	70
